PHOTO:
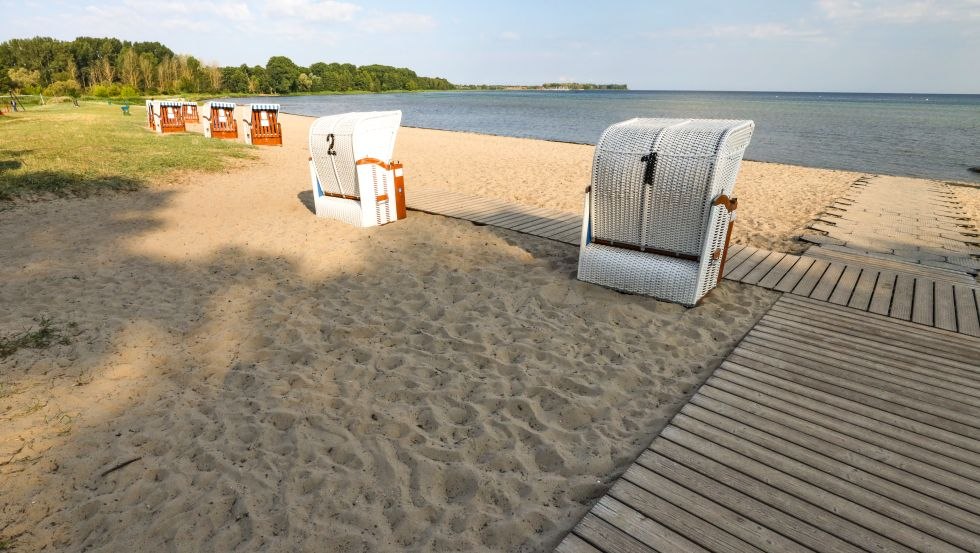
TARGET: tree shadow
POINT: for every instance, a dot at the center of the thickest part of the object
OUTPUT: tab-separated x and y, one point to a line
425	385
39	184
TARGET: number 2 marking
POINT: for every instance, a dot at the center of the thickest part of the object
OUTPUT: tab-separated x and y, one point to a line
330	150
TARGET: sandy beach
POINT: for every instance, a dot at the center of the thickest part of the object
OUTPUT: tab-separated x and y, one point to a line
286	383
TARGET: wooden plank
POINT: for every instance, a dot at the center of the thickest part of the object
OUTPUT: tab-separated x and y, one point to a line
870	346
779	271
941	340
852	478
575	544
880	262
645	530
516	221
845	286
509	214
828	281
810	279
734	249
899	338
944	307
613	540
934	439
849	424
863	290
553	224
684	523
885	320
572	237
734	261
817	349
706	491
738	273
967	319
881	299
763	268
880	374
747	537
792	278
769	494
902	298
714	444
522	226
922	301
926	477
912	409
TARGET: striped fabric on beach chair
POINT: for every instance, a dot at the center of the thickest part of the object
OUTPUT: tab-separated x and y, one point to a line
352	176
219	120
659	211
262	127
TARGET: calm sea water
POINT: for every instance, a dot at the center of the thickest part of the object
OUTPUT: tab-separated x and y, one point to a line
933	136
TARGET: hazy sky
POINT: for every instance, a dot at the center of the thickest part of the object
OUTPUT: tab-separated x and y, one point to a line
809	45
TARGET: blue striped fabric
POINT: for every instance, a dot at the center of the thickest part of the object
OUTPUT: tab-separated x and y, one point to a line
260	107
171	103
230	105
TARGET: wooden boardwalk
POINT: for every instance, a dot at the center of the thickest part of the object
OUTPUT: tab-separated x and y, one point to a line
827	429
926	297
900	219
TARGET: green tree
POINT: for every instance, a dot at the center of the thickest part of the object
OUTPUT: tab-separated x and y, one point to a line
282	74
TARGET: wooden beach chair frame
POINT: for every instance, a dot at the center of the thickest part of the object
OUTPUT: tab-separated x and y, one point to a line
168	117
352	179
191	112
267	134
219	121
151	116
659	211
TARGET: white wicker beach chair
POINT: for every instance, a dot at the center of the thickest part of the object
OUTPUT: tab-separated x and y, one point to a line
350	169
659	211
262	127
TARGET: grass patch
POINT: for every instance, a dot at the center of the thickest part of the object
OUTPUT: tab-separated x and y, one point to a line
46	334
62	150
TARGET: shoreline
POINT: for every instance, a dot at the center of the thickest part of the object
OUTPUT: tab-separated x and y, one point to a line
868	172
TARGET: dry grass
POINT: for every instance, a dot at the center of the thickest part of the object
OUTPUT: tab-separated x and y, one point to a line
62	150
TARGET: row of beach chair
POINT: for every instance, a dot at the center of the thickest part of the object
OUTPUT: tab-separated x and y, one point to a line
261	127
658	213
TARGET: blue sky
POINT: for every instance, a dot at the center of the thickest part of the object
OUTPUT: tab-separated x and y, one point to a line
813	45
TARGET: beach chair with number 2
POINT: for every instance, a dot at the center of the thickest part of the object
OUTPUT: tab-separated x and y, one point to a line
659	211
353	177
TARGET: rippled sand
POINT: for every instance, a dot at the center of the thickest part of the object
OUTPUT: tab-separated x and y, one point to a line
292	384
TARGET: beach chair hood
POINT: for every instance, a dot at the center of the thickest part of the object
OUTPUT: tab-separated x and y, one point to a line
351	170
660	190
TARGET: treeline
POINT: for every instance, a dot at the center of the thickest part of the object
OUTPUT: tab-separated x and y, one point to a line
110	67
584	86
